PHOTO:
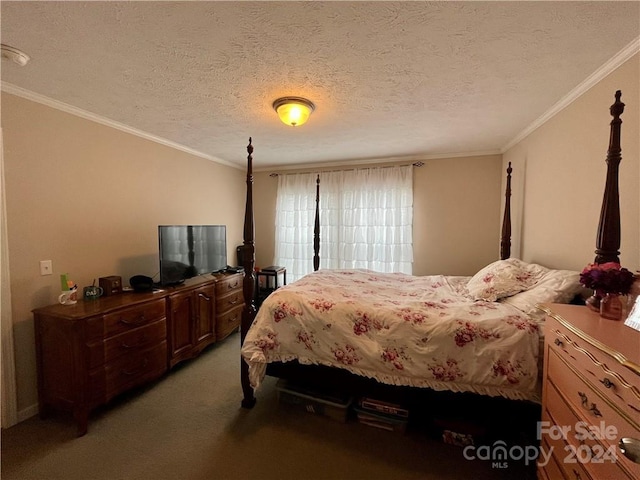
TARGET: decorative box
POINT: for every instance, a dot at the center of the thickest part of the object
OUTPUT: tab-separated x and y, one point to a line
111	285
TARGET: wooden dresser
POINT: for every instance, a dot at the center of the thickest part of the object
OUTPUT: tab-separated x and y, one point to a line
229	304
590	398
90	352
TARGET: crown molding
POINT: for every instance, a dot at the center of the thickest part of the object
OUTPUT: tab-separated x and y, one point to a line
625	54
375	161
49	102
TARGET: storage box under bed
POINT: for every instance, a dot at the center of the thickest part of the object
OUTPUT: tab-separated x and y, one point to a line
334	406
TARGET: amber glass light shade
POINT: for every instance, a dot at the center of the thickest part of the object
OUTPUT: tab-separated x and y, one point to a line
293	111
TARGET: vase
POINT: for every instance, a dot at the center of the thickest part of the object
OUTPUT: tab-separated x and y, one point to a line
611	306
634	294
593	302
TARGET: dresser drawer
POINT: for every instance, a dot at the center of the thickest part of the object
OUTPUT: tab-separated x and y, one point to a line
228	322
561	465
578	445
227	284
589	406
551	470
616	383
128	371
133	317
130	341
229	301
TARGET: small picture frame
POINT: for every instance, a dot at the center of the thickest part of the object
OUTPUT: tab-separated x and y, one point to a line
633	320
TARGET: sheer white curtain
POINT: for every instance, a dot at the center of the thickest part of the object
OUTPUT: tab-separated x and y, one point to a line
366	220
8	404
295	217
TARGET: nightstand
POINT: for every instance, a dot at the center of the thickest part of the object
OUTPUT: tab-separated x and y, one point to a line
268	280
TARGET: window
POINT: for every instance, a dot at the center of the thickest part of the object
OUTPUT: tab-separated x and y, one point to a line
366	220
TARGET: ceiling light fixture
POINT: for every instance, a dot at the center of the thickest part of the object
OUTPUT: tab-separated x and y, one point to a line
15	55
293	111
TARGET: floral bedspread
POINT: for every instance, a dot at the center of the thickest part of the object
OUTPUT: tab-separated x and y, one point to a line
398	329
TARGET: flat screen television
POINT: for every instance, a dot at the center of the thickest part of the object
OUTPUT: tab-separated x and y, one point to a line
190	250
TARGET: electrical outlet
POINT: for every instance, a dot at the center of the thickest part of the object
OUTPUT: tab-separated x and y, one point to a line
45	267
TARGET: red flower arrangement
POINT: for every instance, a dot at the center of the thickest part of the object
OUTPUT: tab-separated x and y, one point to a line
607	277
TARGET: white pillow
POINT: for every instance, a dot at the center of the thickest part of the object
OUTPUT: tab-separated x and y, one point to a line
536	271
555	286
500	279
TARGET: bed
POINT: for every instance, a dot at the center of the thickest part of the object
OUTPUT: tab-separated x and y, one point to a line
478	334
417	331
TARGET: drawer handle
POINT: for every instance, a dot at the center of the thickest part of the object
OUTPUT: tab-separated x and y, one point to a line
558	342
136	372
585	403
630	448
607	383
202	295
593	409
232	302
583	399
135	322
142	341
229	286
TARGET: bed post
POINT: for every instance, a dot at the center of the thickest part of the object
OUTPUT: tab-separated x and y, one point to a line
505	239
608	237
316	229
249	282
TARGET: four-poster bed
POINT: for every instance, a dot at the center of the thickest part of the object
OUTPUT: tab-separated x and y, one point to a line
491	312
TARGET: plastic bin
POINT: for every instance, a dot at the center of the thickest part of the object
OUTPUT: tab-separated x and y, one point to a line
332	406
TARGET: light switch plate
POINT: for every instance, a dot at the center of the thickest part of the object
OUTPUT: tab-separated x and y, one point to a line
46	268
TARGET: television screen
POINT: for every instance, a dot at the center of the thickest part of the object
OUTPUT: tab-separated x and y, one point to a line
190	250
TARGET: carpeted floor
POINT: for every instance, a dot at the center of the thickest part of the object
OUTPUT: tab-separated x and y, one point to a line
189	425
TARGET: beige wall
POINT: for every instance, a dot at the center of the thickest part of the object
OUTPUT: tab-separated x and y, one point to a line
456	210
563	167
90	198
456	221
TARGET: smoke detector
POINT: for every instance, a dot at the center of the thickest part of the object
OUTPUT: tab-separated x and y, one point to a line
15	55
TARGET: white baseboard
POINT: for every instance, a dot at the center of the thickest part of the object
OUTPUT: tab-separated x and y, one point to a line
27	413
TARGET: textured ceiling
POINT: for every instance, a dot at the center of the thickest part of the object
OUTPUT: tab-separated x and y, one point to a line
389	79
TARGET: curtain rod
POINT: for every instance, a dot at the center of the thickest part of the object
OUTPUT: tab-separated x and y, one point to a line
414	164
